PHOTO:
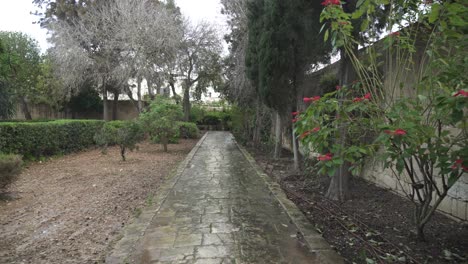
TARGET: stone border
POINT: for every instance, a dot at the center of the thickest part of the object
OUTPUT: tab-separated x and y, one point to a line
314	240
136	230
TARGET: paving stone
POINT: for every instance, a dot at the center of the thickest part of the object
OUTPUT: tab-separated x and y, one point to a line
213	252
184	240
221	211
215	218
217	239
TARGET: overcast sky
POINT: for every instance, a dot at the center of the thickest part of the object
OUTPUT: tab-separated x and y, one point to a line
15	16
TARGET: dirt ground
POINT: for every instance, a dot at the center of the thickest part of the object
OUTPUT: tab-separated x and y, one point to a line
374	225
71	209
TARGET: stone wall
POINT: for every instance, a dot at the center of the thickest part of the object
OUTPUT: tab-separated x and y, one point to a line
125	111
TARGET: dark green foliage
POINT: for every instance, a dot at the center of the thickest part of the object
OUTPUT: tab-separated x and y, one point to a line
188	130
197	113
173	139
217	120
125	134
37	139
284	39
10	168
87	100
7	108
160	120
328	83
244	125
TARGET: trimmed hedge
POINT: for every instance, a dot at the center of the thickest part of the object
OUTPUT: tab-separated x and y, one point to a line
36	139
188	130
10	168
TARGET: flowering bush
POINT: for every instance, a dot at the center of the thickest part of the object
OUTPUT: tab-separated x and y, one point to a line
331	115
423	136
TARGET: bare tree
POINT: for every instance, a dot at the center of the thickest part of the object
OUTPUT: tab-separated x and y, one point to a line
199	61
113	42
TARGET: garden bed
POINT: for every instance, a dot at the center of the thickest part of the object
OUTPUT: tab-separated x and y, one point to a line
72	208
374	225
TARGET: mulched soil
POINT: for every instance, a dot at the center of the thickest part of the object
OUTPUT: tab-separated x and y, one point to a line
71	209
374	225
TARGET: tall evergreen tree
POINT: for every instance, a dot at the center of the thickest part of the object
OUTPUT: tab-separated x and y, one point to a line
284	39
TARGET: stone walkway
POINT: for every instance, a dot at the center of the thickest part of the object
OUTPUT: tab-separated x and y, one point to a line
219	210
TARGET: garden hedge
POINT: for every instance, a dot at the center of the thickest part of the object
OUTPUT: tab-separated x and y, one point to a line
36	139
188	130
10	168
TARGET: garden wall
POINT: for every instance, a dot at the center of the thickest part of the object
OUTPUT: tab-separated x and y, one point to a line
125	111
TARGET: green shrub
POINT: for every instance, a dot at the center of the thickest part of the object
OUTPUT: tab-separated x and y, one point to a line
197	113
173	139
125	134
212	119
188	130
328	82
37	139
221	120
160	120
10	168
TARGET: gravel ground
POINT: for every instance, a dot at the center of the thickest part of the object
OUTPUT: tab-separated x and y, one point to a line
71	209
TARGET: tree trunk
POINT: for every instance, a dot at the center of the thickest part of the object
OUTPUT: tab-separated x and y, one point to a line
150	89
295	149
140	102
25	108
115	105
164	141
105	102
174	93
258	121
186	103
278	139
122	153
338	189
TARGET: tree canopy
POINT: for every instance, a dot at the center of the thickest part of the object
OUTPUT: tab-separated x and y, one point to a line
284	40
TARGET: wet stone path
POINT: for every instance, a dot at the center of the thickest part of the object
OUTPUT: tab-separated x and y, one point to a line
221	211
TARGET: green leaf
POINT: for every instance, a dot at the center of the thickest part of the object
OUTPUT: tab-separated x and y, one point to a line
326	35
452	179
434	15
364	25
359	3
400	164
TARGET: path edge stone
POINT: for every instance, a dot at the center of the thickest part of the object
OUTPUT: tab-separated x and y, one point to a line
131	234
314	240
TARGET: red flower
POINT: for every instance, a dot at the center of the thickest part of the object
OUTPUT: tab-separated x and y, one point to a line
295	120
462	93
459	163
305	134
331	2
316	129
311	99
295	113
338	87
367	96
399	132
395	34
357	99
325	157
